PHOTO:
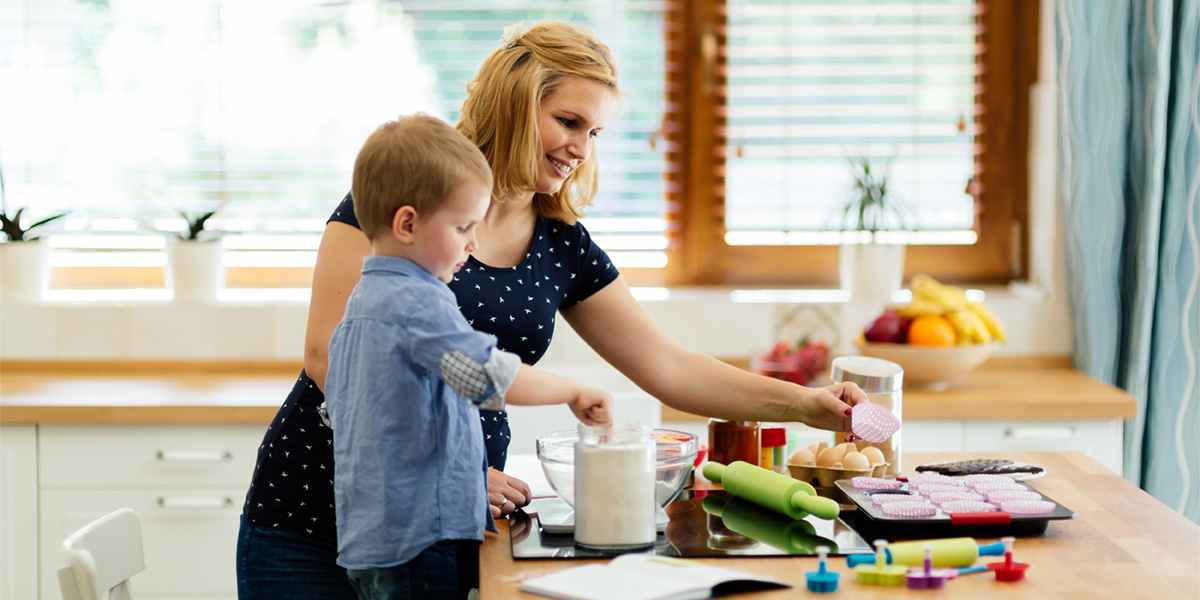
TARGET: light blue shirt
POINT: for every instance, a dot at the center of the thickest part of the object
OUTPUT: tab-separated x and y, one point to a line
407	375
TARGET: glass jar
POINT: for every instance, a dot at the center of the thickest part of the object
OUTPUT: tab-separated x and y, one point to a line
733	440
882	381
614	486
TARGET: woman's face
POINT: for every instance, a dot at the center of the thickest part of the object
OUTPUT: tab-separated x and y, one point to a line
568	121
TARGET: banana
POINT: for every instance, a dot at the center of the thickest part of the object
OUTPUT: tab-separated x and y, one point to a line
979	332
927	288
994	326
919	307
963	327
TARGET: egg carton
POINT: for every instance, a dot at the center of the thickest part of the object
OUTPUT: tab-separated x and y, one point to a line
825	476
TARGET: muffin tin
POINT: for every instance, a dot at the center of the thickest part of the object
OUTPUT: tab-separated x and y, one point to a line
1027	515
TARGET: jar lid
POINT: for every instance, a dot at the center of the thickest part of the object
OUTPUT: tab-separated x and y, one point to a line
871	374
774	436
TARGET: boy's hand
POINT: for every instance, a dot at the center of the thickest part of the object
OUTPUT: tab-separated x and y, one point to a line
592	407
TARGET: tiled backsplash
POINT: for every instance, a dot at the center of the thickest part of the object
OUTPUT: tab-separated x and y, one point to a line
705	321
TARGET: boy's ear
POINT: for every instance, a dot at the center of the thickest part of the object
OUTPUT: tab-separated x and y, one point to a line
403	223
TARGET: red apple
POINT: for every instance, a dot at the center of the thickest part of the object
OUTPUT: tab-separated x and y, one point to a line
888	327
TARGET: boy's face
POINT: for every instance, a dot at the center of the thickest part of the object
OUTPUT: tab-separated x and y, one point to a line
568	122
443	240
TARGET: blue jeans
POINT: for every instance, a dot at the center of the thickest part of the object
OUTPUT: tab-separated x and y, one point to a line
447	569
274	563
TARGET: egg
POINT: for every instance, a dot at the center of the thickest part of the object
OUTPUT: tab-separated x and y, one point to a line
873	454
803	456
847	447
828	457
856	461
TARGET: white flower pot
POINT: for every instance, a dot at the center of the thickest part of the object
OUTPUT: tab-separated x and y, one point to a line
24	270
871	272
194	270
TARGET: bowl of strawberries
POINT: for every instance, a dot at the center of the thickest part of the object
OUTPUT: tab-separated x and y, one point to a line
798	363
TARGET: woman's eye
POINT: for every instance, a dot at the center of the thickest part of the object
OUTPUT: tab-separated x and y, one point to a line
593	133
569	123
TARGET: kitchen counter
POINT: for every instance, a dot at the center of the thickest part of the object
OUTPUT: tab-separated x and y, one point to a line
1122	544
249	392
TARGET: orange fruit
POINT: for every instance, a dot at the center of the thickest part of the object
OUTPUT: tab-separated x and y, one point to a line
931	330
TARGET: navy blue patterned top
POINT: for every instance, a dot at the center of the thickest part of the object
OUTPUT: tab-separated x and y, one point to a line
293	478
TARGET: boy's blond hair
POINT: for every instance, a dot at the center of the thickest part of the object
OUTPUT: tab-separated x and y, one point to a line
415	161
501	109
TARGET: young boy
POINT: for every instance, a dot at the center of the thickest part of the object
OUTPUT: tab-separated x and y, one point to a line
407	373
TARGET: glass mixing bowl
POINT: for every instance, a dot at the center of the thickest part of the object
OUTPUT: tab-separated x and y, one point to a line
675	457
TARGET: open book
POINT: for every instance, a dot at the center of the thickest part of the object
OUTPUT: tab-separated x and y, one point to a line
646	577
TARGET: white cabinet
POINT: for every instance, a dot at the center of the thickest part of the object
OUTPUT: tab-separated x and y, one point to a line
18	512
186	482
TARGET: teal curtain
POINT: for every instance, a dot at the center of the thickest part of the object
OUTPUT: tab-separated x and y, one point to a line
1129	165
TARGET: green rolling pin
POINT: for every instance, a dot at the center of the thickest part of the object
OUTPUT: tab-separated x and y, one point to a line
769	527
768	489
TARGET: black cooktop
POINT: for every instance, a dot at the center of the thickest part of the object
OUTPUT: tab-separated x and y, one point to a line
705	524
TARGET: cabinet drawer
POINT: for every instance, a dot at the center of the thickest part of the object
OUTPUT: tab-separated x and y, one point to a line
76	456
189	551
1101	440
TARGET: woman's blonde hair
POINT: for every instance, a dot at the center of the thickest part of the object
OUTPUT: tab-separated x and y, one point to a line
500	113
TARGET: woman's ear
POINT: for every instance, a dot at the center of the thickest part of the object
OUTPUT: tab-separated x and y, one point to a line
403	224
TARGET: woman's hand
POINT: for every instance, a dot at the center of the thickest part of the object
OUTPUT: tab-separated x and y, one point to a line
505	494
829	407
592	407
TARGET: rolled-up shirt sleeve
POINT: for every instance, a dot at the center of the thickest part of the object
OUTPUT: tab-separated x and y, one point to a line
467	360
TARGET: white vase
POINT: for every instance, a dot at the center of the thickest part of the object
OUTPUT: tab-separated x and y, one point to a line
871	272
194	270
24	271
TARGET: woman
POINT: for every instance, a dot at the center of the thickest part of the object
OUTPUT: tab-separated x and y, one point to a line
534	109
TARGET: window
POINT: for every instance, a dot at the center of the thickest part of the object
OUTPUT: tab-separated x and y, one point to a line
132	110
753	158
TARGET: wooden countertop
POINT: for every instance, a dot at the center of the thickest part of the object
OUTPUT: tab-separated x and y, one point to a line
250	392
1122	544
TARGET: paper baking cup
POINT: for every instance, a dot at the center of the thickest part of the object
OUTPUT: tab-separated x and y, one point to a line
872	422
985	477
919	478
874	483
984	487
882	499
996	496
909	509
968	506
954	496
1027	507
928	489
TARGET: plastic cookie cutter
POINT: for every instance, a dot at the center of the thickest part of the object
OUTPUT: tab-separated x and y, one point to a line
926	577
1009	570
822	581
880	573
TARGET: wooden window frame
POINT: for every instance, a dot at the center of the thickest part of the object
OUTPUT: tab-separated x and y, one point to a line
694	124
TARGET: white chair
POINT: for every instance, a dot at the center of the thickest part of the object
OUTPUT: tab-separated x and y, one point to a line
100	558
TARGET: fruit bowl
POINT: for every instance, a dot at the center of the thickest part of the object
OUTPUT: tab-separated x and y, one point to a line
929	367
675	457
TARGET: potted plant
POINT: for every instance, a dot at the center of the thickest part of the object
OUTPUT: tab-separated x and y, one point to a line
194	260
868	268
24	257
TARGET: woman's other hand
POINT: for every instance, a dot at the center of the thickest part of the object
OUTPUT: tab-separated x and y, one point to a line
829	407
505	493
593	407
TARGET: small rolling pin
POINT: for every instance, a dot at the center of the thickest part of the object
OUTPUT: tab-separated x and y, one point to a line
950	552
768	489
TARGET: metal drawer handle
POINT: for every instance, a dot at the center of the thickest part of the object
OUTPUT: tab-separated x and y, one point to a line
1040	433
195	503
194	456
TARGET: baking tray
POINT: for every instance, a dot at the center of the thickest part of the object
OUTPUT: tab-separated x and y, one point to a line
870	521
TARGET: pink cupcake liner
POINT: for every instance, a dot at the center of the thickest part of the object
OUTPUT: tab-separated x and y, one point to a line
926	490
996	496
917	478
1027	507
985	477
953	496
968	506
991	486
874	483
909	509
882	499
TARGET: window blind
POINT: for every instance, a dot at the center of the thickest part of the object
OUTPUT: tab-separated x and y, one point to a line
129	111
810	84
